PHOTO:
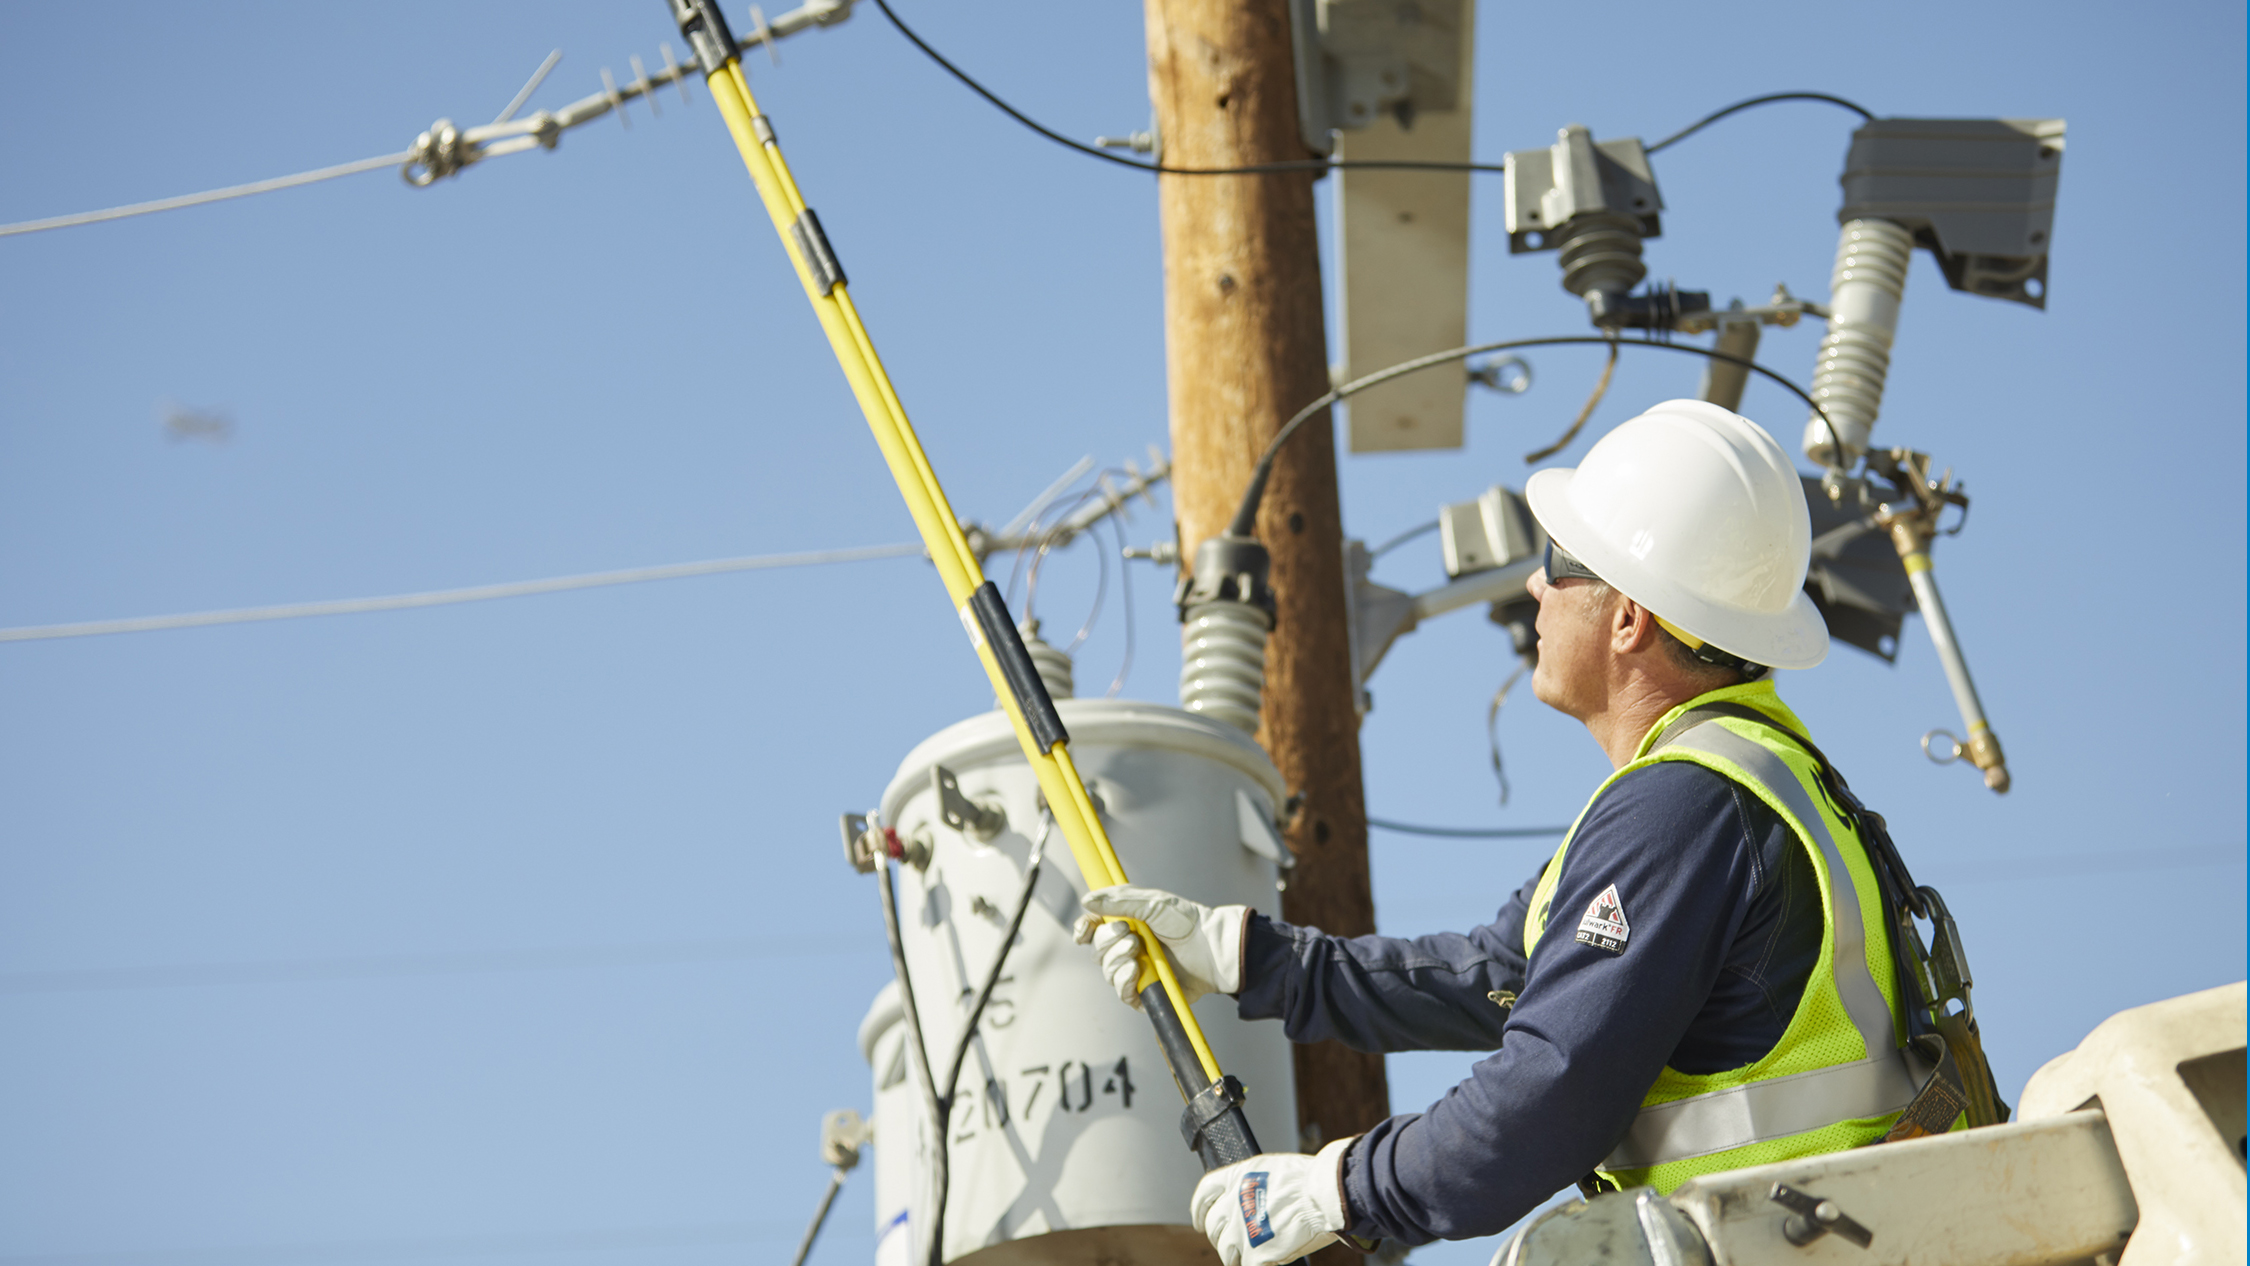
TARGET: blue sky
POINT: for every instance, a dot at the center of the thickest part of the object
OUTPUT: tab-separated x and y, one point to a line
516	931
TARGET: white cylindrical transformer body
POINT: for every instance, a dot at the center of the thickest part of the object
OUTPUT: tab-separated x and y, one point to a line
1854	361
1065	1139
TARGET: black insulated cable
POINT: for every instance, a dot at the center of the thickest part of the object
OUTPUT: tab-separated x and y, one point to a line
1410	534
940	1103
1254	169
917	1053
1739	106
1305	164
1245	522
819	1219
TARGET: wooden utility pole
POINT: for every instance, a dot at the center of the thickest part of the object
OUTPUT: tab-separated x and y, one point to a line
1245	341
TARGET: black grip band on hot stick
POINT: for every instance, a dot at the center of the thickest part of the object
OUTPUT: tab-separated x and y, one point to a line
1213	1123
1023	678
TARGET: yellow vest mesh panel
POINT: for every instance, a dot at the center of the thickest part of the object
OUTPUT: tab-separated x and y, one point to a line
1822	1033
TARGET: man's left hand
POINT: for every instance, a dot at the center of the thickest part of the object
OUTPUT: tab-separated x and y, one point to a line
1273	1208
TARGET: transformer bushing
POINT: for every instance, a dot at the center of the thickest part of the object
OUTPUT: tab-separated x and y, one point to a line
1226	614
1855	355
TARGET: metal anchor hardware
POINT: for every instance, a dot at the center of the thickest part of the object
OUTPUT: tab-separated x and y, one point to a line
980	822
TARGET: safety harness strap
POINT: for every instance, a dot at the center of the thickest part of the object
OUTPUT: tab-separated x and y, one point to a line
1863	999
1722	1120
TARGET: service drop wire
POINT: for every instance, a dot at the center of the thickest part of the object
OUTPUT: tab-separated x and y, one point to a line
1246	515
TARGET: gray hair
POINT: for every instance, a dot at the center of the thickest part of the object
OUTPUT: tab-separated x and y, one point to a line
1707	675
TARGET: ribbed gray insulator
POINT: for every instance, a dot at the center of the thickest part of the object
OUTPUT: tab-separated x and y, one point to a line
1223	662
1855	355
1053	664
1601	252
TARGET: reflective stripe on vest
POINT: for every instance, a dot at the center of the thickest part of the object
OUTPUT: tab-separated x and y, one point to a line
1722	1120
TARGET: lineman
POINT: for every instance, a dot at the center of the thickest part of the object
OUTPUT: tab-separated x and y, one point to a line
1699	979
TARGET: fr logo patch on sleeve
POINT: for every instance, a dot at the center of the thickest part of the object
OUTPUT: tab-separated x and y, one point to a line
1604	926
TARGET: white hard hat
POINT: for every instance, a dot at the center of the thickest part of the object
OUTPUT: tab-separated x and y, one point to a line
1695	513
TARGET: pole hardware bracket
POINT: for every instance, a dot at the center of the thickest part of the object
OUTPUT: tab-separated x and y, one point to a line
980	822
1811	1217
1358	60
863	849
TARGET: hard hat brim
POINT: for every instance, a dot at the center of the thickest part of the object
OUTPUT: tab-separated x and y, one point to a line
1794	637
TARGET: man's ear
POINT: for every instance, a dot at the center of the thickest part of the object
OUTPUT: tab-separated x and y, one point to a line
1632	627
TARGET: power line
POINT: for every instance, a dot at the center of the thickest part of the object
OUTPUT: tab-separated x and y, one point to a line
1469	832
2016	870
445	597
1953	873
1246	515
198	199
1304	164
1771	97
393	966
518	1244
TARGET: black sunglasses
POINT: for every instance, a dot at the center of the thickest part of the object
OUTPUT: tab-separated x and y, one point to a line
1561	566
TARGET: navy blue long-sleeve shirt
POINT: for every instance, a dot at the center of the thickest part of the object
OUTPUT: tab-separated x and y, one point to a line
1722	923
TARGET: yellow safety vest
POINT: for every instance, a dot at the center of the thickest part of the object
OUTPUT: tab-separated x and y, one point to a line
1838	1077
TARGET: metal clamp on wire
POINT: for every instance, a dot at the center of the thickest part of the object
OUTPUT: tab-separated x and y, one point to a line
1212	1104
437	153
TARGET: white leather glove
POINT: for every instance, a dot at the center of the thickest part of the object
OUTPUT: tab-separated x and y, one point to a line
1273	1208
1205	942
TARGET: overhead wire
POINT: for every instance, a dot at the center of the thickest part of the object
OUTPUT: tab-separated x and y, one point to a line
1492	729
1125	593
399	966
1468	832
1047	538
1245	521
1252	169
1051	518
1101	593
1307	164
1768	99
446	597
1593	401
214	195
1410	534
515	1246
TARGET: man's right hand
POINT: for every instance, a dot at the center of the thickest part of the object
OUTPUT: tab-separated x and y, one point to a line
1205	942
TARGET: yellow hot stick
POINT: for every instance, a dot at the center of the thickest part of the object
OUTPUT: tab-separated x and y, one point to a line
934	518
